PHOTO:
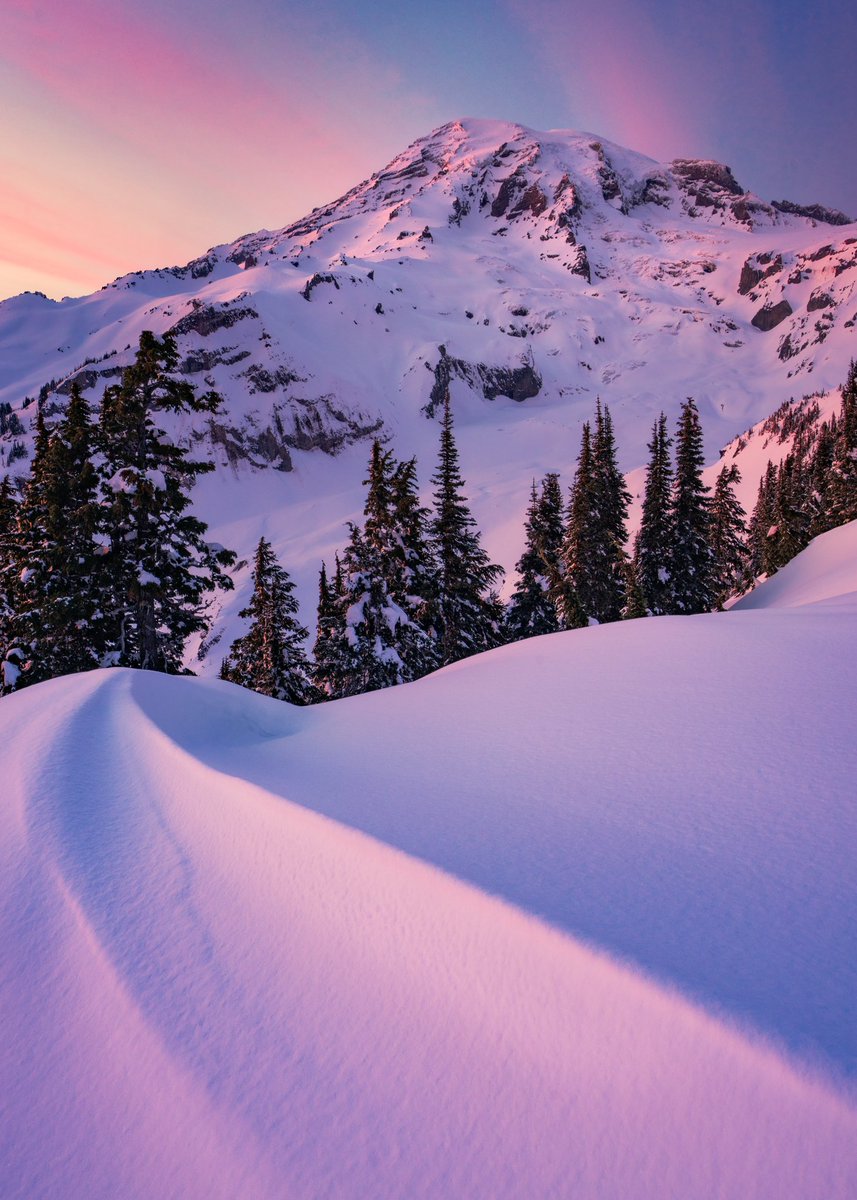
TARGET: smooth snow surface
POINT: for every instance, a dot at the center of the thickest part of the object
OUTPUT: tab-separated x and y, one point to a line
573	919
826	572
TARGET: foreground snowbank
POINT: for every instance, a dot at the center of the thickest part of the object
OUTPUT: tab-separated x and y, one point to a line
213	983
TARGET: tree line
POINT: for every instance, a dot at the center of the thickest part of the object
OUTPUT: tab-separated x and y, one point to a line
102	564
414	590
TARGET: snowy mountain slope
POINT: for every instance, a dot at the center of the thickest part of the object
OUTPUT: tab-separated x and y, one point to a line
824	573
530	272
214	983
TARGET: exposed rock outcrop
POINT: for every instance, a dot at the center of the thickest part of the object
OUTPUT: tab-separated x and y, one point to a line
319	277
756	268
771	316
206	319
518	383
816	212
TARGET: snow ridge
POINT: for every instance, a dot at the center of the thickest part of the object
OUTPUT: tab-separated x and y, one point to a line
359	949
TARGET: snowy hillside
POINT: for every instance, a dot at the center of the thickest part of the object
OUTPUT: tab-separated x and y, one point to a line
576	917
530	272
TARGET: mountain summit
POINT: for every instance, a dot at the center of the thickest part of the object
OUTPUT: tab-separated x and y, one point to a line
513	263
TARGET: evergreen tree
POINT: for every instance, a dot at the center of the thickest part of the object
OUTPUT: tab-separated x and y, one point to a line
593	549
372	620
654	539
72	611
842	486
396	533
533	606
160	565
635	600
759	556
728	530
820	471
56	591
413	582
9	662
612	500
691	569
790	516
331	652
551	522
551	527
581	549
469	611
379	526
532	610
270	657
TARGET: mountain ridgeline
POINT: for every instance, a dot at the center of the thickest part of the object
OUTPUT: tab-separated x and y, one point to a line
506	262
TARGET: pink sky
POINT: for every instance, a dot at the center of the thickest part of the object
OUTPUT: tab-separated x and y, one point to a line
133	144
138	133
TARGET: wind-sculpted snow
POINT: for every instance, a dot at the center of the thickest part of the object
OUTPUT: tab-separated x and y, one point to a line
575	918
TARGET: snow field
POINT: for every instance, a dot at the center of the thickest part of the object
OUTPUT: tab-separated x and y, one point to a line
440	941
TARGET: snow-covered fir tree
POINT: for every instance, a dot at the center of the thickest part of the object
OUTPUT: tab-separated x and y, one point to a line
820	472
654	538
532	608
396	529
331	650
593	547
270	658
372	620
10	656
22	568
611	506
551	520
580	549
759	545
551	523
635	600
469	610
790	523
728	534
55	577
414	576
71	627
842	486
691	572
160	564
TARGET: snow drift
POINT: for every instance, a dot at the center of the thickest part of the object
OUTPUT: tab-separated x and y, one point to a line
572	918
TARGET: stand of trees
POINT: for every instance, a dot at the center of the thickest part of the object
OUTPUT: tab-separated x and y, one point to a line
413	590
813	490
101	563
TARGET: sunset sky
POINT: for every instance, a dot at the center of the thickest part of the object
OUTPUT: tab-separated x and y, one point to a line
138	134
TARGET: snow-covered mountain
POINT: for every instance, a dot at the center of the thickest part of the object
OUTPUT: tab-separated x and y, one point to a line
574	917
529	272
